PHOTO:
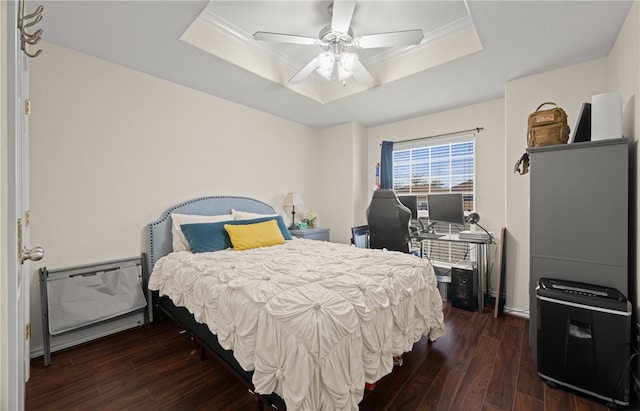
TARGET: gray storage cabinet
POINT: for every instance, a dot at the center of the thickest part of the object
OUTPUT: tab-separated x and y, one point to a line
579	215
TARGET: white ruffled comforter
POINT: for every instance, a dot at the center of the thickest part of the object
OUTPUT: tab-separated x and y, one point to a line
313	319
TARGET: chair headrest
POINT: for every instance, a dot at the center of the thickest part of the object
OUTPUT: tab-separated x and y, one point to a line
384	193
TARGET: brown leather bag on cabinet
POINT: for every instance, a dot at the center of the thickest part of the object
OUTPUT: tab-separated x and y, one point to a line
547	127
544	128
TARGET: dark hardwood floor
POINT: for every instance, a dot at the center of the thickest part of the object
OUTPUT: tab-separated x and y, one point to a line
481	364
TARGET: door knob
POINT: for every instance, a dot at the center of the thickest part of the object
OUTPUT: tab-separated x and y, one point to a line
35	254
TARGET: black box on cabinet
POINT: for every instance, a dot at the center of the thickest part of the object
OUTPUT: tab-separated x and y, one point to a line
464	286
584	334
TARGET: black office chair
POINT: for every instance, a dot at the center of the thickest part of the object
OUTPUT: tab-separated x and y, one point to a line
388	222
360	236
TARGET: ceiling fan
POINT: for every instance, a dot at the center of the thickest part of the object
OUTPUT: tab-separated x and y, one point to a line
336	39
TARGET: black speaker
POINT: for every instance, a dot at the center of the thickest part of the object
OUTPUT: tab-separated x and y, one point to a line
464	287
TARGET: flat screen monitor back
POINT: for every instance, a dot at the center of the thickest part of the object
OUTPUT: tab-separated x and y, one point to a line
411	202
582	131
446	208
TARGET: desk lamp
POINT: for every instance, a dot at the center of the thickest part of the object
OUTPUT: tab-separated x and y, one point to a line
474	218
292	200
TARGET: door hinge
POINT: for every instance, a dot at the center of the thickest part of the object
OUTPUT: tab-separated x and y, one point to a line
19	238
27	106
27	334
27	218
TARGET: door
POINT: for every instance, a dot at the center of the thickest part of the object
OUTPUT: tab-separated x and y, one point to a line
17	356
23	222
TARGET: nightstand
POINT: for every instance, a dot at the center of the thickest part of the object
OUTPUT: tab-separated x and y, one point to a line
312	233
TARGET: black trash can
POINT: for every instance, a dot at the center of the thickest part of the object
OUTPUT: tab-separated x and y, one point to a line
584	338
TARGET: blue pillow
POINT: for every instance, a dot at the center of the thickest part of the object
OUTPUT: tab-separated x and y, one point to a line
206	237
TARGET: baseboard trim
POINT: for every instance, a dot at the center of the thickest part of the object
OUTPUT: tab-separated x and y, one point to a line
510	310
516	312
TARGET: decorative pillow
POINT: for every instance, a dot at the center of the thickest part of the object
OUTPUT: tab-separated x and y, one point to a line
283	227
246	215
205	237
247	236
179	241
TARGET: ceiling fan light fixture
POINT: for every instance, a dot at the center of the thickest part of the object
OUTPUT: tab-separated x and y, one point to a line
346	64
348	61
325	73
326	60
343	74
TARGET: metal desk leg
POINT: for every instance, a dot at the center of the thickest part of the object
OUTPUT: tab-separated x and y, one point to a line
482	268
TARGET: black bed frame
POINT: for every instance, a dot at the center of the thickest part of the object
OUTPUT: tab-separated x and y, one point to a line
163	306
160	244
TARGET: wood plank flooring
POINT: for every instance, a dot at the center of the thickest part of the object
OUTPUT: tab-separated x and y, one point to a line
481	364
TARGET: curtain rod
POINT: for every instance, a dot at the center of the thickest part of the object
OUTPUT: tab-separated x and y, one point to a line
477	130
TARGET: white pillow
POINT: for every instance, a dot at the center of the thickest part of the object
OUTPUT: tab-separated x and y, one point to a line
245	215
180	242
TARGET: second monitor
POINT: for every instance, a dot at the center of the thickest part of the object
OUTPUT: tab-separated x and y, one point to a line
411	202
446	208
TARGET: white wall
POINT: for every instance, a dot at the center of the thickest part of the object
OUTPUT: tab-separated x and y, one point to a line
338	168
362	169
112	148
568	88
624	77
490	160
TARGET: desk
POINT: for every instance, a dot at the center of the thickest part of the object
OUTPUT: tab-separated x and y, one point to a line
481	257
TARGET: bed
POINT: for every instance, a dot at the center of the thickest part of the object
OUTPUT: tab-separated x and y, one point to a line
304	324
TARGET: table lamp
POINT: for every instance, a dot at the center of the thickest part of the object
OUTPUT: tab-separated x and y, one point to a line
292	200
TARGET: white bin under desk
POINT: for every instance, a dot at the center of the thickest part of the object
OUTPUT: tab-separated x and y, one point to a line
90	296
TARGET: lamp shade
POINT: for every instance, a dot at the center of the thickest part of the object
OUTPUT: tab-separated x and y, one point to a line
292	199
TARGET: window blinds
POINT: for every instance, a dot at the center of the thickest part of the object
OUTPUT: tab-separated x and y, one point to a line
438	165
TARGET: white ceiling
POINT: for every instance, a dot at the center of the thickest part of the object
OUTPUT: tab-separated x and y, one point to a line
226	30
512	39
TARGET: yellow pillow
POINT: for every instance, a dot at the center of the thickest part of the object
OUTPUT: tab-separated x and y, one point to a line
246	236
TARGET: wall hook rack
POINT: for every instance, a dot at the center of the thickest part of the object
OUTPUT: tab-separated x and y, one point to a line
25	22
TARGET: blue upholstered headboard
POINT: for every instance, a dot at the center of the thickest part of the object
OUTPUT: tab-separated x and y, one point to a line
160	243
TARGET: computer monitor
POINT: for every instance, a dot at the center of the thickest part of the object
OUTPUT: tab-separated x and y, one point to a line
446	208
411	202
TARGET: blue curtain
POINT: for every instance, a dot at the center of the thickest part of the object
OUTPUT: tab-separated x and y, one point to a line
386	165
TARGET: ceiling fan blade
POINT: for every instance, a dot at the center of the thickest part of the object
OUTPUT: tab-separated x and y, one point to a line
305	71
285	38
394	38
361	74
342	15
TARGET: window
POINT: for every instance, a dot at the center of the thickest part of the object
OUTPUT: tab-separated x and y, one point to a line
438	165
